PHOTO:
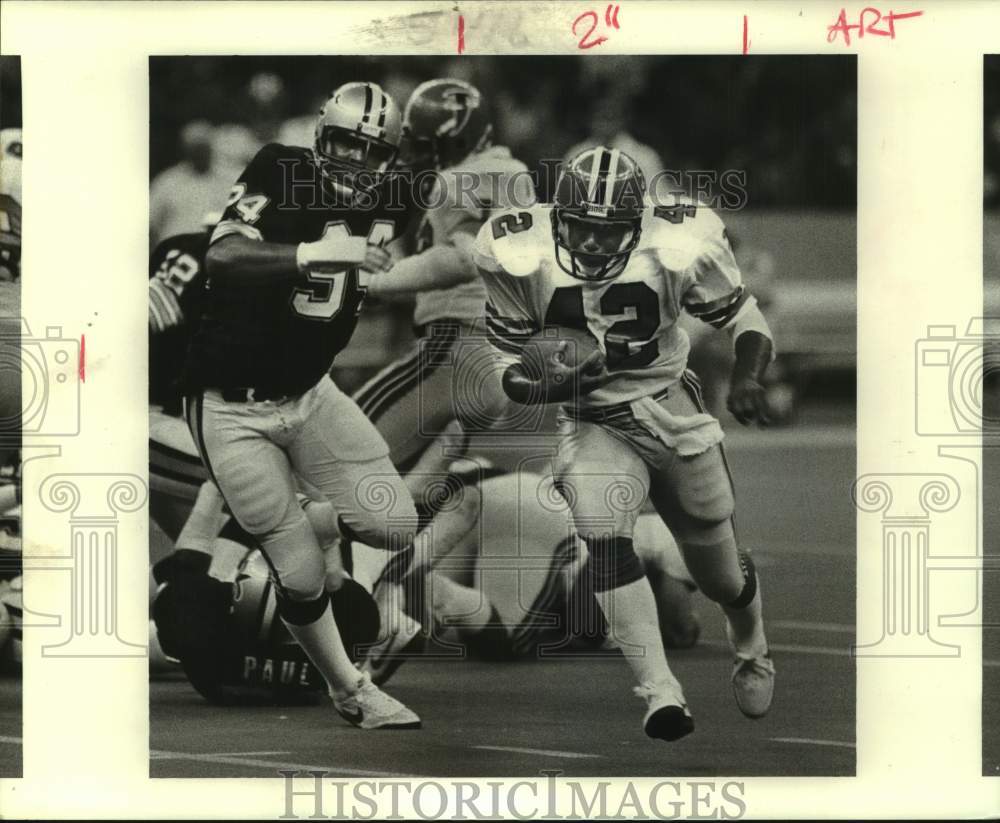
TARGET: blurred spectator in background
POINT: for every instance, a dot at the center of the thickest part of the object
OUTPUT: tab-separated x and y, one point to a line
233	148
268	105
301	130
180	196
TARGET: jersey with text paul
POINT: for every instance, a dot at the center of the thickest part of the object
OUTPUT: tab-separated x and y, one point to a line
176	294
462	198
282	336
683	262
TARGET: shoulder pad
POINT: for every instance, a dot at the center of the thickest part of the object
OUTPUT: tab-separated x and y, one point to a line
513	240
679	234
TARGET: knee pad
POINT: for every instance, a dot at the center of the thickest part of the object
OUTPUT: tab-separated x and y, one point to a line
296	562
746	596
613	562
301	612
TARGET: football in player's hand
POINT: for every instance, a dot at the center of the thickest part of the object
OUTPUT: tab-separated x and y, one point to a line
554	350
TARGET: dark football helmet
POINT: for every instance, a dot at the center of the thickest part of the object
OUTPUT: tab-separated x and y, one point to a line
443	123
238	651
357	135
597	214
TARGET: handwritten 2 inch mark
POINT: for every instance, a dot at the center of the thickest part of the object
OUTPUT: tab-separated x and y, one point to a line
587	41
868	22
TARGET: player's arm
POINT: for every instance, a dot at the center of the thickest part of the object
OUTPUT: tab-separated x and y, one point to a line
717	296
239	247
454	223
438	267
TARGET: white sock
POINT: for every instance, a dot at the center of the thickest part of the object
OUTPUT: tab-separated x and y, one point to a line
227	556
745	628
631	613
321	641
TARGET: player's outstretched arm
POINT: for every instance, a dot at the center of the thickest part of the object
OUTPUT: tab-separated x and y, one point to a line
237	256
438	267
240	257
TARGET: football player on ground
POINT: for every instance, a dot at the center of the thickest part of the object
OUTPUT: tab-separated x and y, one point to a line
602	261
543	605
448	142
288	266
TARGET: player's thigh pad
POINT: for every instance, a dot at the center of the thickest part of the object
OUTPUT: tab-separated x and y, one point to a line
695	496
297	563
602	478
339	452
251	471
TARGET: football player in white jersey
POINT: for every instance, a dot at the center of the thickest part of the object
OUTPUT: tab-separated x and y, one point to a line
424	403
604	261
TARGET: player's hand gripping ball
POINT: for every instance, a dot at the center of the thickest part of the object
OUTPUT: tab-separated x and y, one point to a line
566	361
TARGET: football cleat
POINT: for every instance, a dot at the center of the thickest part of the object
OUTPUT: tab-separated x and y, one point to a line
753	685
667	716
368	707
405	640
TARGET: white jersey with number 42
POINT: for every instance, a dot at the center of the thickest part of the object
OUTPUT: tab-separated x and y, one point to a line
683	262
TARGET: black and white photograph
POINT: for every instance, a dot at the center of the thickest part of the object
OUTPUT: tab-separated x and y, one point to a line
990	415
504	406
11	579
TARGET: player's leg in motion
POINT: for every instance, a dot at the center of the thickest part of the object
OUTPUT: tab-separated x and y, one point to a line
605	483
672	584
694	495
251	451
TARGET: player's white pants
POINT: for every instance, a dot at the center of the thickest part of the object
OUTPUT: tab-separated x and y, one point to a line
254	450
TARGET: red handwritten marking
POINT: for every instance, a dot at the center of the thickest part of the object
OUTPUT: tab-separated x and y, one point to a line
461	34
610	20
746	39
863	26
83	358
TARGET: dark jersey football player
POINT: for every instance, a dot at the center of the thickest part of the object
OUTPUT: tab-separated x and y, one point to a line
176	294
287	268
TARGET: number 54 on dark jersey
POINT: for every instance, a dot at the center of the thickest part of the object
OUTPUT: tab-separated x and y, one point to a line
282	336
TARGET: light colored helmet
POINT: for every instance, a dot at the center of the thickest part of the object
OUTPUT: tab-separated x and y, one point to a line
358	131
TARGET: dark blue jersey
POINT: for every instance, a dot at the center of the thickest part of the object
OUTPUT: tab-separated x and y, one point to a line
282	336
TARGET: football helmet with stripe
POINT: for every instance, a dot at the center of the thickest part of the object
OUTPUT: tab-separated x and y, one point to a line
597	214
445	121
358	132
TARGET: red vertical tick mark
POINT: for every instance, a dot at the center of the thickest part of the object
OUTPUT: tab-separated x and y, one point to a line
461	34
746	37
83	358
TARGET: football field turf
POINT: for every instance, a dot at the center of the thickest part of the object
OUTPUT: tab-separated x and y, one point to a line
579	715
